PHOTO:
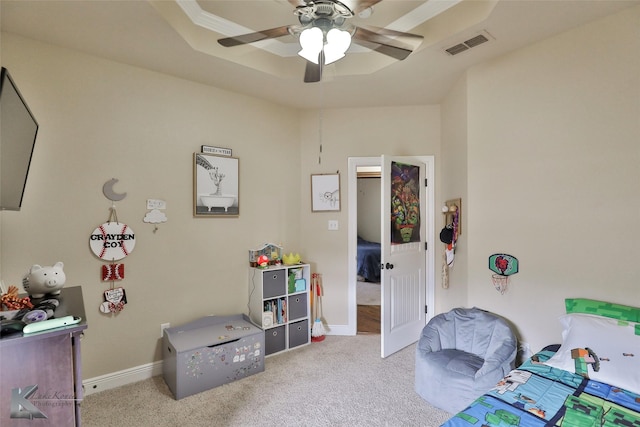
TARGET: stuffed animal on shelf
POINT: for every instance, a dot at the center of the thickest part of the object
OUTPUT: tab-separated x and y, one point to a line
291	259
44	280
263	261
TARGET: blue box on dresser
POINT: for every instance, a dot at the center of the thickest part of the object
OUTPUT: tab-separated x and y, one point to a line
210	352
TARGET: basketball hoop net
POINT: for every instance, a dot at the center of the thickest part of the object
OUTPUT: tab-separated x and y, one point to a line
503	265
500	282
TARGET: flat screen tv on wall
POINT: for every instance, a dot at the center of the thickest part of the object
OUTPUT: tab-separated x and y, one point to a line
18	130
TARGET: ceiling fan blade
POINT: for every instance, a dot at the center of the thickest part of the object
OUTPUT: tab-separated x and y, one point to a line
381	43
313	72
408	38
358	6
297	3
255	37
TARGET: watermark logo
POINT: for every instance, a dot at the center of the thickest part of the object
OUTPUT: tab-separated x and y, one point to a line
21	407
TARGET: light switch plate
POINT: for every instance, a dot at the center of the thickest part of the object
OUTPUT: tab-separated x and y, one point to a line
333	225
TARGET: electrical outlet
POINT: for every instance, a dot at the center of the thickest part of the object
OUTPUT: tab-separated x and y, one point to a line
163	326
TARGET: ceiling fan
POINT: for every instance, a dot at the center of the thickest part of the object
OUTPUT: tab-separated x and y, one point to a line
325	34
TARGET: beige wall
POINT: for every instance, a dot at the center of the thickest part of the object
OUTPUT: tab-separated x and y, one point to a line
553	155
352	132
369	215
542	145
453	170
101	120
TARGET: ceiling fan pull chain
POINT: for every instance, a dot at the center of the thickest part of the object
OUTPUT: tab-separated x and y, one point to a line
320	114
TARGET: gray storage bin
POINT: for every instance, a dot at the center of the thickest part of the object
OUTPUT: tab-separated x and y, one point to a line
211	351
297	306
299	333
275	340
274	283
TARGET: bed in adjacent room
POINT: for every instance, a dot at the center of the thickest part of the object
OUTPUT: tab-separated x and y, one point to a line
591	379
369	257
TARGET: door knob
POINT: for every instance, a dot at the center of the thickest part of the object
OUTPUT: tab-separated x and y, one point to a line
388	266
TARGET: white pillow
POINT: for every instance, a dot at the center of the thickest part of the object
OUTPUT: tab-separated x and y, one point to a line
616	344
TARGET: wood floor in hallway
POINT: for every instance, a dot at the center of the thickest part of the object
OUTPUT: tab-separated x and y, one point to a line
368	319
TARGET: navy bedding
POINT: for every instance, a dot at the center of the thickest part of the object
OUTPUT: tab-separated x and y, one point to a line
536	395
369	260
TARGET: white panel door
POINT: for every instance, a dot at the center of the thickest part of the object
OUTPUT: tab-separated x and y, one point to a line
403	252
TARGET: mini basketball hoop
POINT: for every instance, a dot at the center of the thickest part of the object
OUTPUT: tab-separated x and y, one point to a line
500	283
503	266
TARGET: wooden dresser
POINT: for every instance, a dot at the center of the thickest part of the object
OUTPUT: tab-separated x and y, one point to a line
41	373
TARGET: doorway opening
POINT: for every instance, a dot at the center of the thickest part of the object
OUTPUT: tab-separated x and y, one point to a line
361	163
368	289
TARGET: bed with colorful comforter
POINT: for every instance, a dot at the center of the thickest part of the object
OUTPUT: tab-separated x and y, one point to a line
592	379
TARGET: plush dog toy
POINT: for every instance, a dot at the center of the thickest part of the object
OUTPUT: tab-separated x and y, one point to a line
44	280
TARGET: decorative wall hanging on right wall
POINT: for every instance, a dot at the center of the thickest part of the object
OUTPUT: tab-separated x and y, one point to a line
503	266
452	211
453	214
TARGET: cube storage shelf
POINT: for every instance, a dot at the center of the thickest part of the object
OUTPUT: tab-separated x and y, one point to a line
279	304
210	352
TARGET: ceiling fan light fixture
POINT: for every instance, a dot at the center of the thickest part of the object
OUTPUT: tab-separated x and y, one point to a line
338	41
311	42
325	36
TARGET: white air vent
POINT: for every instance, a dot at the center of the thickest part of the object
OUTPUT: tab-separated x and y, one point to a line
468	44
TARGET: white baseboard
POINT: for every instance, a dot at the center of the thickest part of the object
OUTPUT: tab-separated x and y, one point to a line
339	330
120	378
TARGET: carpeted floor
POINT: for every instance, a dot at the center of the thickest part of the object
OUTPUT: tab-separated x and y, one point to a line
341	381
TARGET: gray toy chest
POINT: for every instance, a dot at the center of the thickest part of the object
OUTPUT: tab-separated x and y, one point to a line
209	352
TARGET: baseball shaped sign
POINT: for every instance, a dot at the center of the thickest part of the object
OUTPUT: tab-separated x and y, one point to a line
112	241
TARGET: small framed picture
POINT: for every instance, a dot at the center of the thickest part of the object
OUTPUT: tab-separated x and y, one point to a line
215	186
325	192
